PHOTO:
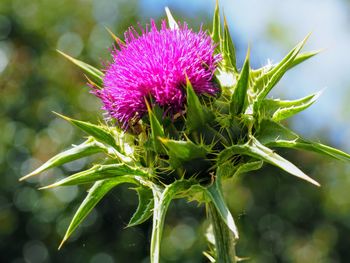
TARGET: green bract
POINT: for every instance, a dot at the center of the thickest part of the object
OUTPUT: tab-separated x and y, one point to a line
191	156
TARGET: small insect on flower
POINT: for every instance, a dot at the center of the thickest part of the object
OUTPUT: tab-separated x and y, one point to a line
154	64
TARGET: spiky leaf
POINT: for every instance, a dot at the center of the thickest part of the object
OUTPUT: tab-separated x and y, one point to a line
183	151
100	133
99	172
213	194
300	58
196	116
87	148
157	130
239	97
258	73
248	167
93	73
145	206
216	196
279	110
257	150
95	194
270	131
274	134
216	28
228	49
228	169
267	81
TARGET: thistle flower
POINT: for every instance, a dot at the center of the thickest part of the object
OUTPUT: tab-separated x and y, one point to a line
234	133
154	65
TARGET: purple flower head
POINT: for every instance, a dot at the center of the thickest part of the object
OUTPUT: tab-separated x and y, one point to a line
154	65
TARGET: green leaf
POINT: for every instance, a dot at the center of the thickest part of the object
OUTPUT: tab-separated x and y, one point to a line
183	151
255	74
273	134
96	193
300	58
171	21
196	117
228	49
95	74
248	167
269	132
215	195
267	81
99	172
257	150
279	110
145	207
162	199
100	133
157	130
216	31
318	148
87	148
227	170
239	97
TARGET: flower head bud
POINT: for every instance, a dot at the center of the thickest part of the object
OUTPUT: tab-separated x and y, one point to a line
154	64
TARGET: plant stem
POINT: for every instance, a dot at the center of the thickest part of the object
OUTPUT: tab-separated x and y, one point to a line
224	239
157	227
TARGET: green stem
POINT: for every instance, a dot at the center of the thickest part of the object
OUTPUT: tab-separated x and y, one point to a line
157	227
224	239
155	244
161	204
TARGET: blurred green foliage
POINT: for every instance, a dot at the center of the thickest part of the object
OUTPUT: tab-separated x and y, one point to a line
281	219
